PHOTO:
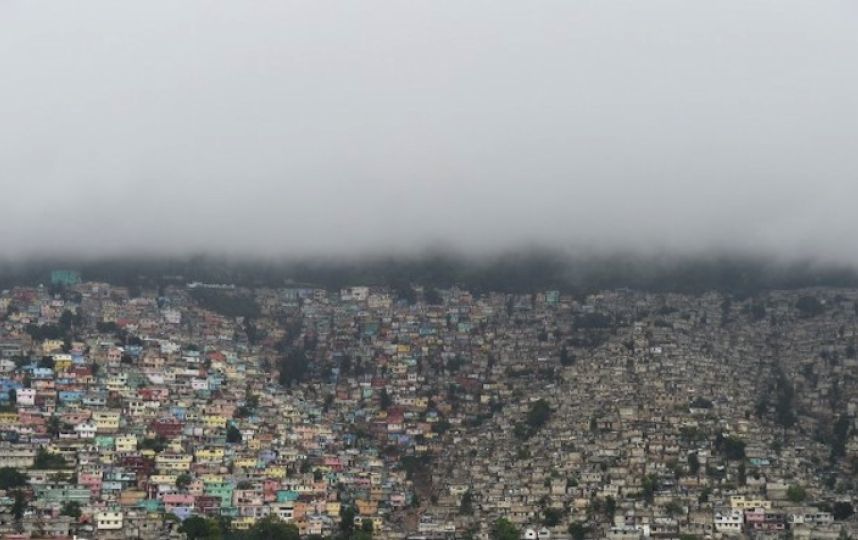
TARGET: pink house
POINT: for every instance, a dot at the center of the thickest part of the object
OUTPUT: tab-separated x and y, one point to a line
757	515
269	490
92	481
174	500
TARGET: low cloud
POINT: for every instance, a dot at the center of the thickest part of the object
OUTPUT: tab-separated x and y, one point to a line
309	128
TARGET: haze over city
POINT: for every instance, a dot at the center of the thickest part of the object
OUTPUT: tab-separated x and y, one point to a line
308	128
428	270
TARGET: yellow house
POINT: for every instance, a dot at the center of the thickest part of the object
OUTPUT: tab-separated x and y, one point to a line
8	418
62	362
365	507
377	523
276	472
245	463
739	502
173	463
332	508
231	372
214	421
116	383
166	479
209	455
126	443
106	421
52	345
243	523
175	446
131	497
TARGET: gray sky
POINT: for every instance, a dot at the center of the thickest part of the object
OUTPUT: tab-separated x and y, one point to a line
344	127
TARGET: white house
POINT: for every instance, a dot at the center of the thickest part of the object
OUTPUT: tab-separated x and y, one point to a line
354	294
108	521
25	396
729	522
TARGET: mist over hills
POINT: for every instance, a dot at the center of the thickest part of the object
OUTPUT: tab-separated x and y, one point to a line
514	271
224	127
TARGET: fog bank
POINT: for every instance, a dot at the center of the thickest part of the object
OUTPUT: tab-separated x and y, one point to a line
352	128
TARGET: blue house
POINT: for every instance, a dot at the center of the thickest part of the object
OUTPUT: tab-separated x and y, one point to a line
285	495
7	385
179	413
69	396
43	373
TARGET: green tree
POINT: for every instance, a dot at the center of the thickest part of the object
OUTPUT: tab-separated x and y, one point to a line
649	485
432	296
466	507
701	403
66	320
11	478
610	507
49	460
71	509
784	400
552	517
566	359
733	448
537	416
673	508
362	534
842	510
158	444
347	520
233	434
504	530
693	463
404	292
19	505
293	366
271	528
385	401
199	528
796	493
229	304
53	426
839	437
46	362
183	480
578	530
441	426
365	531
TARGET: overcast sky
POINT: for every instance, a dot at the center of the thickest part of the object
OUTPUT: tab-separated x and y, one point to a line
358	126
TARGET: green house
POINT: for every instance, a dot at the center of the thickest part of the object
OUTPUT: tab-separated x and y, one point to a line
66	278
224	491
104	441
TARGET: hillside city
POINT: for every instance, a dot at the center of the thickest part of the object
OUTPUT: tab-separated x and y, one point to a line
205	410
